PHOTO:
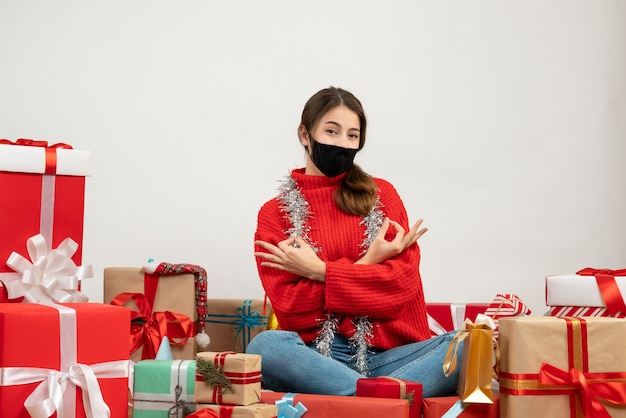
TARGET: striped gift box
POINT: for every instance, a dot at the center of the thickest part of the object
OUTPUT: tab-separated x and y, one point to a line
506	305
163	388
578	311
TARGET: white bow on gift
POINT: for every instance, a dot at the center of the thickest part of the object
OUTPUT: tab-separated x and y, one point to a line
49	277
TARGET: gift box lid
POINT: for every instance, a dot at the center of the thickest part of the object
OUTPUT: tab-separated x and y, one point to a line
39	157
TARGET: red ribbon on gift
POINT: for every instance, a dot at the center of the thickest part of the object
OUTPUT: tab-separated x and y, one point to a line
204	413
584	388
4	295
235	378
225	411
51	150
148	328
590	386
611	295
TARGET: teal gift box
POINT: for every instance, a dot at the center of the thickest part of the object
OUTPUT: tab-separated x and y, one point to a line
164	388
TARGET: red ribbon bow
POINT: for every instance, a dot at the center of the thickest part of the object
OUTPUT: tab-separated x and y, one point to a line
611	295
35	143
590	386
148	328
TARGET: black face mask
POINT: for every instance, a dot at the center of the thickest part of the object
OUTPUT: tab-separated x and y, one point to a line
331	160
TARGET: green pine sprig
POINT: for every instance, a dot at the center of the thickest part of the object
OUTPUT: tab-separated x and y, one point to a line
212	375
410	397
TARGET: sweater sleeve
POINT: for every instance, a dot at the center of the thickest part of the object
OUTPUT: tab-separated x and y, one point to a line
297	301
377	290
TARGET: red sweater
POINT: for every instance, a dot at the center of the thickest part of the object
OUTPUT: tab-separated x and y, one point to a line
390	294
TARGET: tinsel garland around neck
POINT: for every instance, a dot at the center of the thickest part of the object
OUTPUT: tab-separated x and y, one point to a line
296	208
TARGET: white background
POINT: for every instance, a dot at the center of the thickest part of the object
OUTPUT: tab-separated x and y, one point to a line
501	123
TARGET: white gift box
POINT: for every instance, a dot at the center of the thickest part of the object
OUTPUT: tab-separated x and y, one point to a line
32	159
577	290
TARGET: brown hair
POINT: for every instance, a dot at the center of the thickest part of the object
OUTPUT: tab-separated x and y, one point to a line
357	191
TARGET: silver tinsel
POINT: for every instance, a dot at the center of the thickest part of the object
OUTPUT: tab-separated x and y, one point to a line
360	341
295	206
372	221
326	336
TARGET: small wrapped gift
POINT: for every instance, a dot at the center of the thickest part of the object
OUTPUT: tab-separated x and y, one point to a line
390	387
324	406
602	289
167	299
232	323
451	406
446	317
77	366
164	388
256	410
228	378
562	367
476	369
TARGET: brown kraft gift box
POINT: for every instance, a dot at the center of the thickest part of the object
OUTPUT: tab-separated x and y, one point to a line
228	379
233	323
562	367
175	293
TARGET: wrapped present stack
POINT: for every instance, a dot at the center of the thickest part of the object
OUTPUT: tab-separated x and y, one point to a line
168	300
84	369
588	292
476	325
229	384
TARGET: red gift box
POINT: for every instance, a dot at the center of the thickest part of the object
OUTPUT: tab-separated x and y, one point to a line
439	406
80	345
323	406
388	387
446	317
44	188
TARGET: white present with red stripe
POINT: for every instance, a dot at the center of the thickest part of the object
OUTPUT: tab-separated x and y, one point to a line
506	305
589	287
446	317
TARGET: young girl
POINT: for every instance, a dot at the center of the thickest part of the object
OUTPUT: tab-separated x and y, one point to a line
341	269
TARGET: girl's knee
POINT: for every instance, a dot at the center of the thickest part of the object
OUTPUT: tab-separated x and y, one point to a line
268	341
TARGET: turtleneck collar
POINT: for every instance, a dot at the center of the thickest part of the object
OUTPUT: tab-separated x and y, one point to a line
312	182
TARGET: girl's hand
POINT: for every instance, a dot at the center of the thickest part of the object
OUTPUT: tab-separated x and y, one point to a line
299	259
381	249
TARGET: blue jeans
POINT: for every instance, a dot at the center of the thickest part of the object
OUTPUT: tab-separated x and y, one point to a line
290	365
